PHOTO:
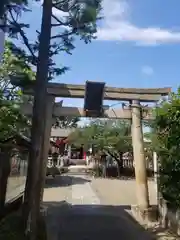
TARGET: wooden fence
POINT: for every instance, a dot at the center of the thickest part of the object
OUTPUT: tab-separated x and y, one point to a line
129	163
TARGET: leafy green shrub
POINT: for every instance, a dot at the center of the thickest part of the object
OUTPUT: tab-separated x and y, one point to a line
11	228
166	142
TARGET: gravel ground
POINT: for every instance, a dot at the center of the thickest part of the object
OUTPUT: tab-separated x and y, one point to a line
120	192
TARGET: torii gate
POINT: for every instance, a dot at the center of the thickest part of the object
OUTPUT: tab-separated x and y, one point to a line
136	113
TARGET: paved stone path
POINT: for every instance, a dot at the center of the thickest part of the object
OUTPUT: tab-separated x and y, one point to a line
75	212
83	194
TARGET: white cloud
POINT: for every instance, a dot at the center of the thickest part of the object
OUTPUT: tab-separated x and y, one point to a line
117	26
147	70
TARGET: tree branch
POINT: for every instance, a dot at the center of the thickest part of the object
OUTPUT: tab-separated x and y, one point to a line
25	39
63	35
56	25
65	5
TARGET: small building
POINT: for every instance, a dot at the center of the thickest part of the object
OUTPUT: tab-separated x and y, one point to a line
14	153
60	137
61	132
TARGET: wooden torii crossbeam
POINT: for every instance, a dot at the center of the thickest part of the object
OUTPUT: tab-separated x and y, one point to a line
113	113
111	93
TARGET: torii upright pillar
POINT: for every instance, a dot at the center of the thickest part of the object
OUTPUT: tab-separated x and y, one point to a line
139	157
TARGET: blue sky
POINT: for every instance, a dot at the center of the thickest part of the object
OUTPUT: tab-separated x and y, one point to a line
138	45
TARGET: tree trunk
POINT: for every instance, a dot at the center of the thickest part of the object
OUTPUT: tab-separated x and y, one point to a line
118	169
45	144
121	161
32	191
118	163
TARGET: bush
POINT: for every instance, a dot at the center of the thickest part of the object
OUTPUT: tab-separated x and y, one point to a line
11	228
112	171
97	171
166	141
52	171
64	170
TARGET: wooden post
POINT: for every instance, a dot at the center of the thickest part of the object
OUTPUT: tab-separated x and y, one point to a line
155	165
139	157
69	150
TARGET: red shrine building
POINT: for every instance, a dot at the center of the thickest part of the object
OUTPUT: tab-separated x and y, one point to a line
59	143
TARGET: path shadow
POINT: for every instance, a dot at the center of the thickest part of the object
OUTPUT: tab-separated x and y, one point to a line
64	181
92	222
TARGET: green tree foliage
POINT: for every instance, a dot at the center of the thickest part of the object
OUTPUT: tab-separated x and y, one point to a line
108	136
12	66
66	122
166	141
114	136
79	21
5	3
11	120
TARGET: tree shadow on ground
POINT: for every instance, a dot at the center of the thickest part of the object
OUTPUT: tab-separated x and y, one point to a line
92	222
64	181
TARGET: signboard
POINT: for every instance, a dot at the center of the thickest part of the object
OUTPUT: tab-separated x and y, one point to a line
93	101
